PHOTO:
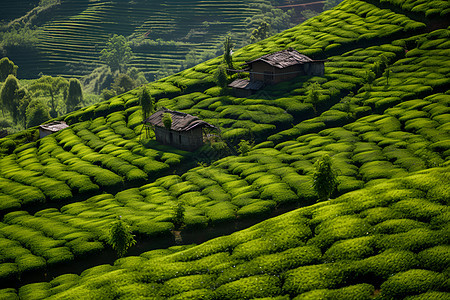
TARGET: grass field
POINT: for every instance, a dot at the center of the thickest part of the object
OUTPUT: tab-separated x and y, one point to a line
382	235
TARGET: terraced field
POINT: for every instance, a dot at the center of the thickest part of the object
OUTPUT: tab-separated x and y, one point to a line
383	234
70	45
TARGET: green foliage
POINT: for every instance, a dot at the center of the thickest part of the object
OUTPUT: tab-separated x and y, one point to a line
55	87
7	67
146	101
413	281
227	52
117	53
167	120
220	77
9	96
120	237
123	83
37	113
260	33
325	178
179	215
244	147
74	95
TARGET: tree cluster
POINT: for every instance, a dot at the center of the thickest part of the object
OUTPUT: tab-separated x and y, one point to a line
28	106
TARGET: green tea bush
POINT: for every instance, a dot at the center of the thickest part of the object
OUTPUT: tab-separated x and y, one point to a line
29	262
359	291
313	277
338	228
8	294
221	212
387	263
184	284
419	209
35	291
397	226
412	282
351	249
435	258
250	287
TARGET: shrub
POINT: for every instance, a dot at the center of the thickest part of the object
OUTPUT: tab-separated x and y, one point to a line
351	249
257	209
338	228
387	263
39	290
8	294
412	282
250	287
221	212
184	284
307	278
359	291
29	262
436	259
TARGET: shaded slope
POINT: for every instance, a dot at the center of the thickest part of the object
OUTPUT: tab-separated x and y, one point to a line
390	238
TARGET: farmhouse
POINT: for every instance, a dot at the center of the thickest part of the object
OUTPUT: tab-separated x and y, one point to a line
274	68
52	127
185	133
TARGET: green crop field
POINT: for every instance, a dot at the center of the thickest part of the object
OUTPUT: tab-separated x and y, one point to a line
71	42
382	235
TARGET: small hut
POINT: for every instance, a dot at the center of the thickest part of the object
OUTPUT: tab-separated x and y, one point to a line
186	132
274	68
52	127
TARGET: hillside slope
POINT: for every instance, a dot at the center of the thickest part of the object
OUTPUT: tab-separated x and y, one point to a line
376	133
389	240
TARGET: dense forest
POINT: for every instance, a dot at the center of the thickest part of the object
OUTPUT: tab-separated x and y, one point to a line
332	186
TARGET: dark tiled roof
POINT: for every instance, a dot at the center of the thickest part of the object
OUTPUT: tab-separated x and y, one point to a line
247	84
180	121
54	126
284	58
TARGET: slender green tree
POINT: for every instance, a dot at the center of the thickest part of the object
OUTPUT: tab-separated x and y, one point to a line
178	215
147	103
7	67
36	113
387	74
313	95
369	78
227	52
220	77
120	237
167	120
55	87
74	95
9	96
117	53
325	178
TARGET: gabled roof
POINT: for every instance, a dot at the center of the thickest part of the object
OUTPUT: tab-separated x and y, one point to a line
180	121
54	126
247	84
284	58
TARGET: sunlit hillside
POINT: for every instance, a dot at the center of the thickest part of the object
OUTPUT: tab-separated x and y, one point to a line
381	112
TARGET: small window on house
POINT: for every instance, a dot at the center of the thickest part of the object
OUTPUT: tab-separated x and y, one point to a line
179	139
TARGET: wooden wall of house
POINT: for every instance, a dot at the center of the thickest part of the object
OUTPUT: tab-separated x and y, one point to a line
185	140
260	68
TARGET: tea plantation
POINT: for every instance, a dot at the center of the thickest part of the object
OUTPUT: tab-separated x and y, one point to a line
384	233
